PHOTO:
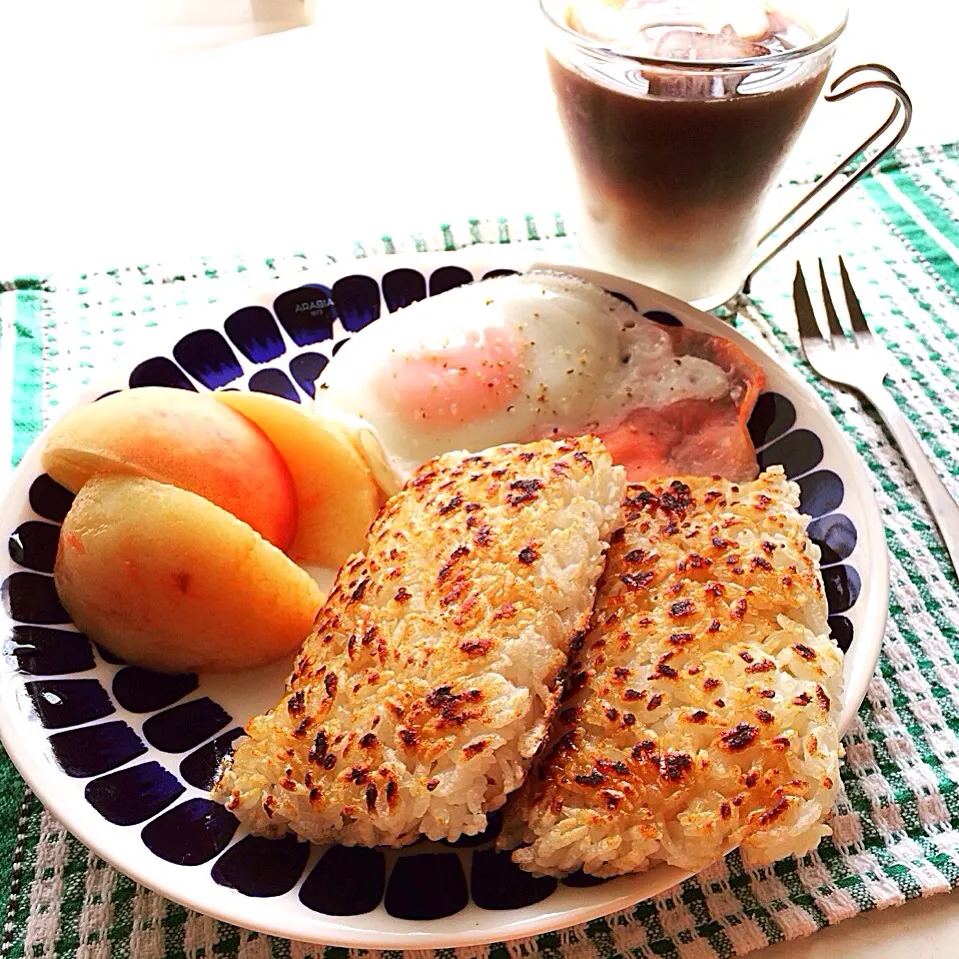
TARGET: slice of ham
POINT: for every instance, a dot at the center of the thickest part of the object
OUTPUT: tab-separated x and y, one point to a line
694	437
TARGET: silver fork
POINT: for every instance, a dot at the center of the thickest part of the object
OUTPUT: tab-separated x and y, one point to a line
861	362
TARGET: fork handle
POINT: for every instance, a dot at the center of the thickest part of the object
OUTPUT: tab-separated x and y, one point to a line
943	507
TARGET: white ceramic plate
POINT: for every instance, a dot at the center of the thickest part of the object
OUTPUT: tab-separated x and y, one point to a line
123	758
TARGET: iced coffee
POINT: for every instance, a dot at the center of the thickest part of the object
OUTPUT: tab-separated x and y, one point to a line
679	115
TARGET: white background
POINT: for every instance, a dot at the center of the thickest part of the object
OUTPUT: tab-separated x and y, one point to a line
137	130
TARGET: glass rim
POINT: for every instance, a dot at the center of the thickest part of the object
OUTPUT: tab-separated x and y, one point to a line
742	63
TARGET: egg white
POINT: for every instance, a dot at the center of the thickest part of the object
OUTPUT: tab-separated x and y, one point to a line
588	359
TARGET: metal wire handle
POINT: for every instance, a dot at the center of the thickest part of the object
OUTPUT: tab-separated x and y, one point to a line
902	106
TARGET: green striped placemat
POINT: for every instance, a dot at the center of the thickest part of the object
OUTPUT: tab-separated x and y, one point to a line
896	824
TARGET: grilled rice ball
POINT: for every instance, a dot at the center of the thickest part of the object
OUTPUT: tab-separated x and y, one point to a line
431	675
702	707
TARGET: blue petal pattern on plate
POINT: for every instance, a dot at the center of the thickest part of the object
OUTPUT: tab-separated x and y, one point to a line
307	313
181	728
820	493
422	885
842	585
662	317
34	545
92	750
628	300
41	651
160	371
841	630
835	535
69	702
426	886
305	368
32	598
143	691
133	795
206	355
261	867
448	278
255	333
496	882
403	287
49	499
190	834
798	452
580	880
357	300
772	416
275	382
200	767
347	881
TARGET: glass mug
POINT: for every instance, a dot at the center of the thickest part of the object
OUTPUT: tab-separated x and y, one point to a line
679	115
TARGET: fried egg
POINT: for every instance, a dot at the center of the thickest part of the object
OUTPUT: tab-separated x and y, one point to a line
511	359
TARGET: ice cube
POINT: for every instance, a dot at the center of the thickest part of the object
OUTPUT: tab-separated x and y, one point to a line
675	29
691	44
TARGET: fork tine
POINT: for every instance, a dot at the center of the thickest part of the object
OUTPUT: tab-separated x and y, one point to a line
805	314
856	316
835	328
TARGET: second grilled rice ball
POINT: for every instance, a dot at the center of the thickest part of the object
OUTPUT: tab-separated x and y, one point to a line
428	683
702	709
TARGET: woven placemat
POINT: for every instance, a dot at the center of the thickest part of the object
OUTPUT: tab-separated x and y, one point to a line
896	823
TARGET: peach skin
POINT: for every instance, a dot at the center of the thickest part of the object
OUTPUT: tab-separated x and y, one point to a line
337	497
167	580
182	438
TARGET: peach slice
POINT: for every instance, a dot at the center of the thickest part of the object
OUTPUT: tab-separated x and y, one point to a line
337	496
182	438
167	580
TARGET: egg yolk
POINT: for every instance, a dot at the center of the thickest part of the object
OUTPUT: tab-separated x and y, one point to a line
458	384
